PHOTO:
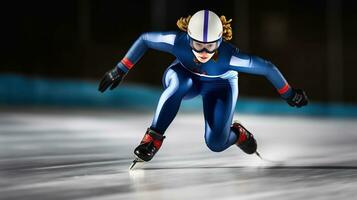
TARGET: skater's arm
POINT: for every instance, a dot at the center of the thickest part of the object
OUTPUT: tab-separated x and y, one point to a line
251	64
245	63
162	41
159	41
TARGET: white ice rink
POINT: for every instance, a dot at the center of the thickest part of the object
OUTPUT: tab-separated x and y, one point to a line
86	155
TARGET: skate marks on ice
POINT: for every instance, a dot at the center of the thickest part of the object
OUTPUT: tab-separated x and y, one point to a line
277	167
85	156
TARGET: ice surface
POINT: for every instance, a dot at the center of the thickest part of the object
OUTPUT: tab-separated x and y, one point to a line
86	155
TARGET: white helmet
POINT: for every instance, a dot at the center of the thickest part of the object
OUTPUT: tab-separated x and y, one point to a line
205	26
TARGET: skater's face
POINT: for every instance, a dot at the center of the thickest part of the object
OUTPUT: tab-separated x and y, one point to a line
204	51
203	56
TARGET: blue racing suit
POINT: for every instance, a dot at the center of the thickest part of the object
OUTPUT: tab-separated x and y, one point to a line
216	81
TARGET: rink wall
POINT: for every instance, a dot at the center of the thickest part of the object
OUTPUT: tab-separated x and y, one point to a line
18	90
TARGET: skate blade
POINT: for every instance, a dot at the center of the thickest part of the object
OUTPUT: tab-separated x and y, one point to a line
258	154
137	163
267	160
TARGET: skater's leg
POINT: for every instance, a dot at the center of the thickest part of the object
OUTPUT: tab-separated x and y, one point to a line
177	83
218	104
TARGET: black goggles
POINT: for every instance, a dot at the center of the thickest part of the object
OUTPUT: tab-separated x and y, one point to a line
209	47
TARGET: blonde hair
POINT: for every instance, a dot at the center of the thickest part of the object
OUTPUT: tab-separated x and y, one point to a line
182	24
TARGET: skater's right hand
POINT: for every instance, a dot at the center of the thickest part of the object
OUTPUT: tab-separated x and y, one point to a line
111	78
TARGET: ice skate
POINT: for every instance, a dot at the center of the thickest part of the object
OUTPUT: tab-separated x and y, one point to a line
147	148
245	140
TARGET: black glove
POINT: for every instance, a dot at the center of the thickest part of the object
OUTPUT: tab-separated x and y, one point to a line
298	98
111	78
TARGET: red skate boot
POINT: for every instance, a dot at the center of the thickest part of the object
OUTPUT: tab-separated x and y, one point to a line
148	147
245	140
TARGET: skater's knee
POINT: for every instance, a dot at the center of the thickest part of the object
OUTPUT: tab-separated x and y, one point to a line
215	148
216	144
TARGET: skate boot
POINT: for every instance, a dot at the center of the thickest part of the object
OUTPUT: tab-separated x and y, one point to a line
148	147
245	140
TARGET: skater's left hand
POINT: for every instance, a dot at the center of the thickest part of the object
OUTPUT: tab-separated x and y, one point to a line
298	98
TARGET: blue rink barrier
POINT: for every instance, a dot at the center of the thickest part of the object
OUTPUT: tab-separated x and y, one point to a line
17	90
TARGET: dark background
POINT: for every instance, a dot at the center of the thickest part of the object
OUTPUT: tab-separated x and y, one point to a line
312	42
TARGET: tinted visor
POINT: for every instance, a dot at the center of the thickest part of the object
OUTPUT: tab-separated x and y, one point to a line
207	47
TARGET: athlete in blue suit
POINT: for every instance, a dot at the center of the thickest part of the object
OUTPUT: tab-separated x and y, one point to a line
207	65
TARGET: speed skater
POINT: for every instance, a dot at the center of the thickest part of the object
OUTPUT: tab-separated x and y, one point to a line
206	65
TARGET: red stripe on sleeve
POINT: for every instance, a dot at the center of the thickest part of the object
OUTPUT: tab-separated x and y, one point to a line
284	89
127	63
